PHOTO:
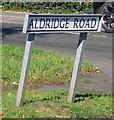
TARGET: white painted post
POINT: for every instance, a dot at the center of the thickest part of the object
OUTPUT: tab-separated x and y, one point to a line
76	70
25	68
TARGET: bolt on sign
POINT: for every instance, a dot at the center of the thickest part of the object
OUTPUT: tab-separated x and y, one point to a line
36	23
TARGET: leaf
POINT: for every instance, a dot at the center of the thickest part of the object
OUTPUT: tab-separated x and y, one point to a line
97	70
1	113
34	77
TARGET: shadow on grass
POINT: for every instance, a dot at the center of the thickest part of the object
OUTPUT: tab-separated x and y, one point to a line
82	97
79	98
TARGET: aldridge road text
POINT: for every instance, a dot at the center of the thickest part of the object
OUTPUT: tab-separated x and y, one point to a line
62	23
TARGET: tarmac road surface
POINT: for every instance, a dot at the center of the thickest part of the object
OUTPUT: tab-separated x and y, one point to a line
98	49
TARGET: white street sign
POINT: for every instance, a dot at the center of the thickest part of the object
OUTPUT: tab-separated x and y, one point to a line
35	23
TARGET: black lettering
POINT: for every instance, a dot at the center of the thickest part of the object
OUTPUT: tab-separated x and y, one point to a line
47	23
56	23
42	23
62	25
67	23
82	22
87	25
52	23
31	24
93	23
36	24
75	23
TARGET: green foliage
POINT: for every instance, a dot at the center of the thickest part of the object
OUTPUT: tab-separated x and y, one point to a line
92	107
49	7
45	68
42	104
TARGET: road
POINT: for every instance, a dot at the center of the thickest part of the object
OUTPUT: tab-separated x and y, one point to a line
98	49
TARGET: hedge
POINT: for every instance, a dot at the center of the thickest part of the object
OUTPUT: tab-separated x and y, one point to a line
49	7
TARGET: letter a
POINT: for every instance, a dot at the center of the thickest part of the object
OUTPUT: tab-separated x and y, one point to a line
93	23
30	24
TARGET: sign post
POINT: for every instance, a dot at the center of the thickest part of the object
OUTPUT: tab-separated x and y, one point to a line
77	64
25	68
36	23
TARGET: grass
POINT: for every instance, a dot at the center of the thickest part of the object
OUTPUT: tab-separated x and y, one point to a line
39	104
85	81
45	67
48	68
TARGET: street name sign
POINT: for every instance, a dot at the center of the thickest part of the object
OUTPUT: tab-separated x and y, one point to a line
36	23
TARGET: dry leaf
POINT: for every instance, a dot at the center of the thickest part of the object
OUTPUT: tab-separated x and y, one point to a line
1	113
